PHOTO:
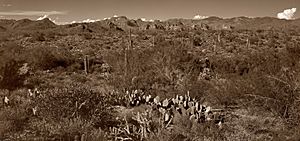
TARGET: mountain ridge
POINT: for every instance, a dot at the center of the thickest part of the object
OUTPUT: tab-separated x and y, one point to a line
124	23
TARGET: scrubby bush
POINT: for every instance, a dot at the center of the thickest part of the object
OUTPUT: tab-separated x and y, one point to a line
69	102
12	120
38	36
160	66
77	100
87	36
45	58
65	129
11	77
14	117
4	37
12	70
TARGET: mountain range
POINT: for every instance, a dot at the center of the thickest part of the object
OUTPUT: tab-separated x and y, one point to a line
123	23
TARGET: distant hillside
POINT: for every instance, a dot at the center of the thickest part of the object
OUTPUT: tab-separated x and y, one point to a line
215	23
27	24
6	23
122	23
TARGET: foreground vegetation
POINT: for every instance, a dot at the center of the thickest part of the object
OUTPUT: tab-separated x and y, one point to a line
252	75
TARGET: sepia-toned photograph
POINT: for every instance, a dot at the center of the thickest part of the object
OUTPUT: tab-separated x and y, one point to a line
149	70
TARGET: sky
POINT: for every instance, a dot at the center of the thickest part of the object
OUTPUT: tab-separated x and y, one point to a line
78	10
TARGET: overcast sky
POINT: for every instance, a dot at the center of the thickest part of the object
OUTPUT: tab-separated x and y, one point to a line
78	10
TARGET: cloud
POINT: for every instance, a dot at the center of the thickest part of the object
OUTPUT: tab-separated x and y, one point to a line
6	5
62	23
287	14
143	19
146	20
41	18
47	16
90	21
198	17
31	13
86	21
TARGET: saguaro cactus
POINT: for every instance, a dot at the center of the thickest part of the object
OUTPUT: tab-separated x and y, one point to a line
130	40
153	41
127	50
192	40
125	61
218	43
86	64
248	43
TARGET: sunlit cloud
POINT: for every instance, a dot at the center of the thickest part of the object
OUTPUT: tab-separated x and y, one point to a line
115	16
41	18
199	17
287	14
6	5
90	21
143	19
47	16
31	13
146	20
86	21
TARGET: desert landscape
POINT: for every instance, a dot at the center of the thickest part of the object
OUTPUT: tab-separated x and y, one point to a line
162	80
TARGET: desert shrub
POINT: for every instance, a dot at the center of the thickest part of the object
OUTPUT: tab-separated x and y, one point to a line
147	68
45	58
76	101
116	60
10	51
38	36
265	79
75	67
67	101
12	69
10	76
4	37
293	50
132	23
87	36
16	117
138	125
294	111
185	129
50	34
12	120
97	135
65	129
